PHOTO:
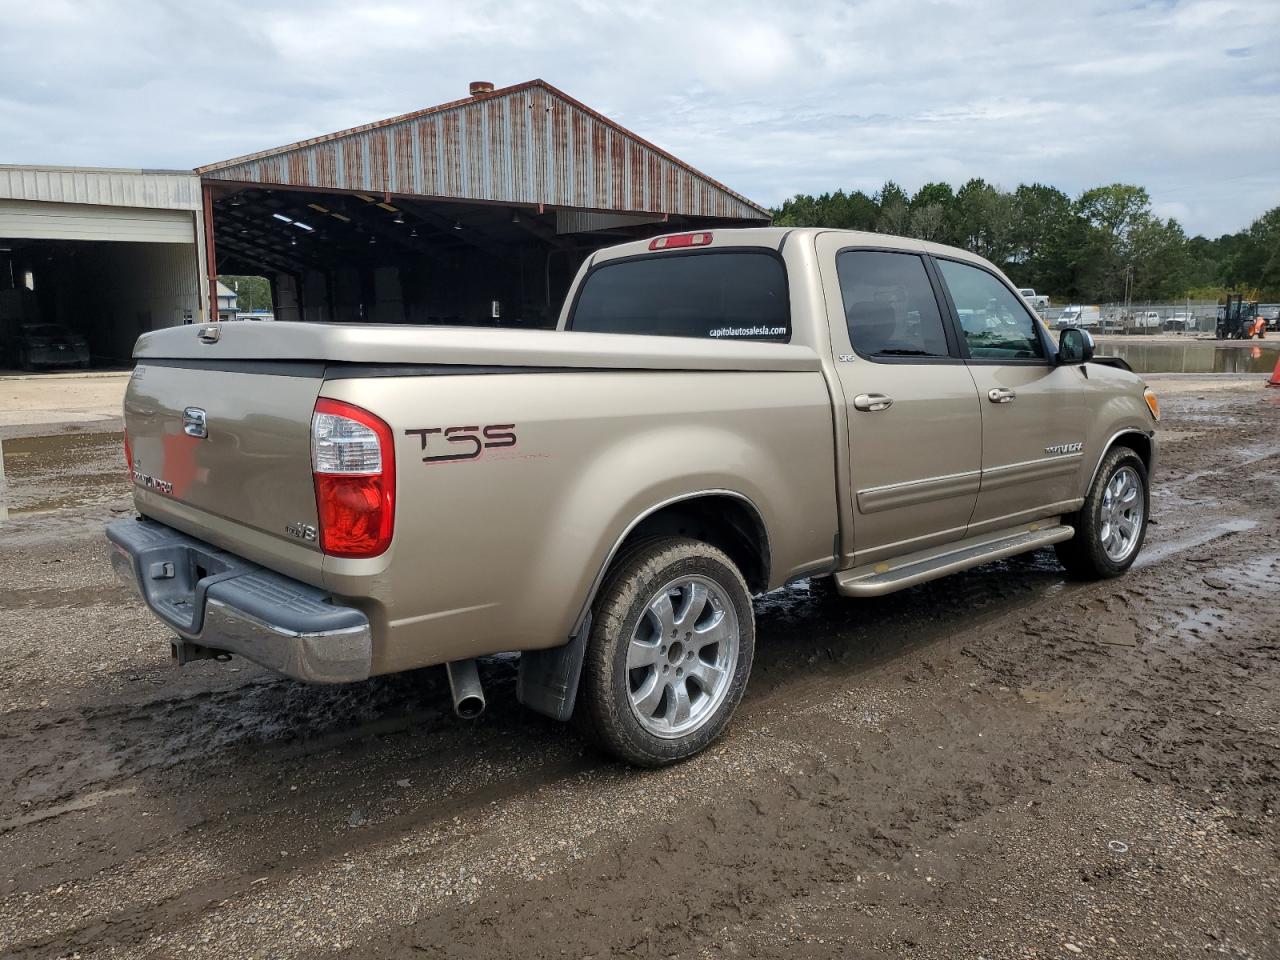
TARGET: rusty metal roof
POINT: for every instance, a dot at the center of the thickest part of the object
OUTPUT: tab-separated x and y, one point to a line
525	144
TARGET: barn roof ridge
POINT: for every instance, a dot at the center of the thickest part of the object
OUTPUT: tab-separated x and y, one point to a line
224	165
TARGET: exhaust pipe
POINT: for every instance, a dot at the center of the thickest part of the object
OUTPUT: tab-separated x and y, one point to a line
464	683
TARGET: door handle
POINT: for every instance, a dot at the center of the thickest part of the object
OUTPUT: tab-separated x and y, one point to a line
871	402
1001	395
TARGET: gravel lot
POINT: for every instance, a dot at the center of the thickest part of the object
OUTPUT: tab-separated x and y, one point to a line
1003	764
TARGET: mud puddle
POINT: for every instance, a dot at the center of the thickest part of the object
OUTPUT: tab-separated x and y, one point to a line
1195	356
935	774
54	474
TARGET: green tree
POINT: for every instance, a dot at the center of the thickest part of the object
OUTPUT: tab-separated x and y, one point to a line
1253	259
1112	214
929	222
931	194
254	293
845	211
892	195
1158	254
1075	250
984	220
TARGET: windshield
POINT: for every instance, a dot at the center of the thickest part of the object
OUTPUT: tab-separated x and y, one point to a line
44	330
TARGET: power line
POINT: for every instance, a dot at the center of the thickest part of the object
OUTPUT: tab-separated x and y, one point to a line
1240	176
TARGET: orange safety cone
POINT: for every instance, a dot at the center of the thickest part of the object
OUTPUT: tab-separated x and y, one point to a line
1275	375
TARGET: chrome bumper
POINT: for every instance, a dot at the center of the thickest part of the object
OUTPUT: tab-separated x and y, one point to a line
225	604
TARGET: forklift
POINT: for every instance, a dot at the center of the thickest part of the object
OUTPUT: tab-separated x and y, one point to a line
1239	319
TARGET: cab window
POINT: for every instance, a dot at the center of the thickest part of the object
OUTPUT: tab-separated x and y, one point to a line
996	325
889	305
722	295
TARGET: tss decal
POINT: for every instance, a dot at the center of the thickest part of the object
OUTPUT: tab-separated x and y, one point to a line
470	441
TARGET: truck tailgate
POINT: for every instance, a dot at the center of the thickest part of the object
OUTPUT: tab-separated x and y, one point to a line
246	484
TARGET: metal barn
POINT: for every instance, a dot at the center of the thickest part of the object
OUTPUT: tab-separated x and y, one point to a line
477	211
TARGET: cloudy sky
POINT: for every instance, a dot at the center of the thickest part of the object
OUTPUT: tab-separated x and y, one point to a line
773	98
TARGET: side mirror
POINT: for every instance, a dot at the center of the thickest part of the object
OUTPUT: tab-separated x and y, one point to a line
1075	346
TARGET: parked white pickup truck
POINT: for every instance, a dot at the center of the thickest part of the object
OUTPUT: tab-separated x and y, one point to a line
1039	302
718	414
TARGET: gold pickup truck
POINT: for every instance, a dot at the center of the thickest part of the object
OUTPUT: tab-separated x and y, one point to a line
717	414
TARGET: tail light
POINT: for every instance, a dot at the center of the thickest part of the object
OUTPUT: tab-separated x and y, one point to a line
354	466
128	457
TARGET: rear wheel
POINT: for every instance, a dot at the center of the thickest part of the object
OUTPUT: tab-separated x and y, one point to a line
1112	523
672	639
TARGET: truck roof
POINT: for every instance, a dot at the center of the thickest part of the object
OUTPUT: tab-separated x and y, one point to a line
776	237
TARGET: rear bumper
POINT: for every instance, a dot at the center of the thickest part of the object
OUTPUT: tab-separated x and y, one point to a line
217	600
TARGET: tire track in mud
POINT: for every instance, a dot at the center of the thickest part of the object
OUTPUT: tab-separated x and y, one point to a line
1088	699
840	686
799	696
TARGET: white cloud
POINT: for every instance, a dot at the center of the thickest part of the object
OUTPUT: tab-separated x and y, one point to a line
769	98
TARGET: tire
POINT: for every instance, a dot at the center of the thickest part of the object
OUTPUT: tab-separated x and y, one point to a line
24	361
642	653
1100	548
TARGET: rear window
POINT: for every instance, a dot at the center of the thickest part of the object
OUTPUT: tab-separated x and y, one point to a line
731	295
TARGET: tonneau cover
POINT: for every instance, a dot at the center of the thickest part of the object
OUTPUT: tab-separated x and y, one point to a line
469	346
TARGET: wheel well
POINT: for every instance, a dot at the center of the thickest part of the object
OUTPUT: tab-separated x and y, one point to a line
725	522
1137	442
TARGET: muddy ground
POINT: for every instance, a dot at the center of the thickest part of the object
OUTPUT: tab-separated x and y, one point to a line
1003	764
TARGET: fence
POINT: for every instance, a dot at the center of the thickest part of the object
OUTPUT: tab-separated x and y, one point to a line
1191	315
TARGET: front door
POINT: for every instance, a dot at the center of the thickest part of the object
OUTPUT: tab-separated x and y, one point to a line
912	410
1033	422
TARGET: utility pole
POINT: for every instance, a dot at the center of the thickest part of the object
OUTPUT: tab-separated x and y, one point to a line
1128	294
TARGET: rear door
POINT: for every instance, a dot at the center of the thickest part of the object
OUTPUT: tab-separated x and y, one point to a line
1033	422
915	430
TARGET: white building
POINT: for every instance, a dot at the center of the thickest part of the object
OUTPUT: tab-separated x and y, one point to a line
108	253
228	302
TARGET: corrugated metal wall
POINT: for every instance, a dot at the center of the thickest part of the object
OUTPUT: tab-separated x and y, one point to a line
529	145
158	190
43	220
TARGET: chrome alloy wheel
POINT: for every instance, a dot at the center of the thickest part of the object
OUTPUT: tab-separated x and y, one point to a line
682	657
1121	514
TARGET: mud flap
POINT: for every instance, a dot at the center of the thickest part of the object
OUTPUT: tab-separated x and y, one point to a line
548	679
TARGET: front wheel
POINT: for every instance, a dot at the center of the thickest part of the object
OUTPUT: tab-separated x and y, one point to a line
670	650
1112	523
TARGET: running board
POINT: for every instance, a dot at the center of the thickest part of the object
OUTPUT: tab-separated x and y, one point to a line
877	579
